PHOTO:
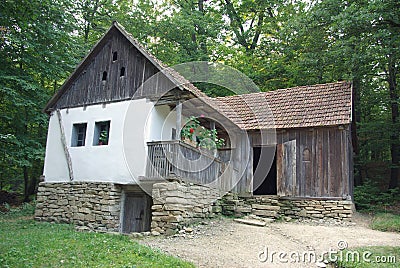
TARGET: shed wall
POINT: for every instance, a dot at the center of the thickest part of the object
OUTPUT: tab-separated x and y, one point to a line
322	159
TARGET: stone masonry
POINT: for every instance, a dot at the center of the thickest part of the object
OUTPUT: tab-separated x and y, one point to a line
176	204
88	205
275	208
97	206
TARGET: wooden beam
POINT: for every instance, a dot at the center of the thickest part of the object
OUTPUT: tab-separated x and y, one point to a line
212	125
64	143
178	120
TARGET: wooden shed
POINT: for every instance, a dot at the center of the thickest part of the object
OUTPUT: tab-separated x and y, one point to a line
312	146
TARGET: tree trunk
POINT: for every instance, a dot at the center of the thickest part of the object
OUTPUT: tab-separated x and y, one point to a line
26	184
394	137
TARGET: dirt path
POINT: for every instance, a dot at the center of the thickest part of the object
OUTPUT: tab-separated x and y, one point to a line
225	243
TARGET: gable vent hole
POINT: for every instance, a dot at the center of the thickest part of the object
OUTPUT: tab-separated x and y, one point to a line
115	56
104	78
122	72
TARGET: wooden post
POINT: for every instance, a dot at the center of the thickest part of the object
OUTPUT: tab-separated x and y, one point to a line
212	125
178	120
64	143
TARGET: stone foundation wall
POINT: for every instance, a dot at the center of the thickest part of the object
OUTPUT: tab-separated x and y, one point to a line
88	205
97	206
341	210
176	204
274	207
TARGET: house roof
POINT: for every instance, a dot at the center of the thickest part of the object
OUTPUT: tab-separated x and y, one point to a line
174	76
305	106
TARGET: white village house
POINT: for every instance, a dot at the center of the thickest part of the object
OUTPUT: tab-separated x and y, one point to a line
116	159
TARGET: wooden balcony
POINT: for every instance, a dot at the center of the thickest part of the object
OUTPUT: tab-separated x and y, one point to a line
177	158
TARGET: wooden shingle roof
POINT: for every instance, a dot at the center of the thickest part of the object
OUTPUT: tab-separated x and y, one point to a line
305	106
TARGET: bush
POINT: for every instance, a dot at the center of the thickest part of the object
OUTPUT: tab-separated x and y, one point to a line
370	198
26	209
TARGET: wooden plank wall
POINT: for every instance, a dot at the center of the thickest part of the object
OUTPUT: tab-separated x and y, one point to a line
323	158
89	88
242	157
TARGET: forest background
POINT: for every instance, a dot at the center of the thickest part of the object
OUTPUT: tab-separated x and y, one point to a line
277	43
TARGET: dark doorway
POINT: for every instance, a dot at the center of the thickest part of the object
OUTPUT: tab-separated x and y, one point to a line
137	213
264	170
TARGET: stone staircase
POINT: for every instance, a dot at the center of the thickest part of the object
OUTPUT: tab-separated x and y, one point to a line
263	208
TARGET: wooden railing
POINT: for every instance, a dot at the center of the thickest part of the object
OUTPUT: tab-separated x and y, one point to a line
177	158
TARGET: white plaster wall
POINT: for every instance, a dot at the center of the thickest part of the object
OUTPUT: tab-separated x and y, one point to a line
100	163
162	121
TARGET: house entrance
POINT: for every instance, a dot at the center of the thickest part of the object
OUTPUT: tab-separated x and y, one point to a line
136	212
264	170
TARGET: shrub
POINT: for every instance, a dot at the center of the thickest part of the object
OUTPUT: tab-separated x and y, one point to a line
370	198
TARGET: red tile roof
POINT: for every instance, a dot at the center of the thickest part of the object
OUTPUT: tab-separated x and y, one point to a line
306	106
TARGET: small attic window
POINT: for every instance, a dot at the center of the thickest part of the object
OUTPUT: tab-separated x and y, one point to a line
115	55
104	78
122	72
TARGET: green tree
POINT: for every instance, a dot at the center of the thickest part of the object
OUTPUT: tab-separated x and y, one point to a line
36	53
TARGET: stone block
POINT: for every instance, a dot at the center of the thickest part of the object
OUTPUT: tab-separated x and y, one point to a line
178	207
156	207
244	209
84	210
265	207
302	213
160	213
265	213
177	200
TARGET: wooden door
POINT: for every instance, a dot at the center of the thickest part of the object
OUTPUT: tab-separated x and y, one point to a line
286	168
137	213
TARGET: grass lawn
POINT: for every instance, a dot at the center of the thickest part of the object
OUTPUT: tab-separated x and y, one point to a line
386	222
385	257
26	243
382	257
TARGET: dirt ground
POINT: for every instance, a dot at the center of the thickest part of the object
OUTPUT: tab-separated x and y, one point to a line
225	243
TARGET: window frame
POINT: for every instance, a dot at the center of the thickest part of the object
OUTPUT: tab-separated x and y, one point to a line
79	129
99	127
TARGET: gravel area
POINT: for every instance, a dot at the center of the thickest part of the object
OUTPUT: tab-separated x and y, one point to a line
225	243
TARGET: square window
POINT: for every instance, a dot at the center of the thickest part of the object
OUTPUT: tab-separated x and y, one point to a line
78	134
101	133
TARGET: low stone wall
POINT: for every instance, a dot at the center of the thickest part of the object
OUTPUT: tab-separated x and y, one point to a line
274	207
176	204
88	205
262	206
341	210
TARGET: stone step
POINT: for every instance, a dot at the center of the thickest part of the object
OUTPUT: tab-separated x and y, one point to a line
265	213
251	222
265	207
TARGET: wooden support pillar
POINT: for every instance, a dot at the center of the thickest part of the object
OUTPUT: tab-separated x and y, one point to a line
212	125
178	120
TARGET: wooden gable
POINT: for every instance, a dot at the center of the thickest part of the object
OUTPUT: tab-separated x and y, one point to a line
114	70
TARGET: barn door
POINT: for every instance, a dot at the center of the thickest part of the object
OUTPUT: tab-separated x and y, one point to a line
137	213
286	168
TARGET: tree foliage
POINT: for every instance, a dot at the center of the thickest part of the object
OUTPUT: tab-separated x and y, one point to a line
277	43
